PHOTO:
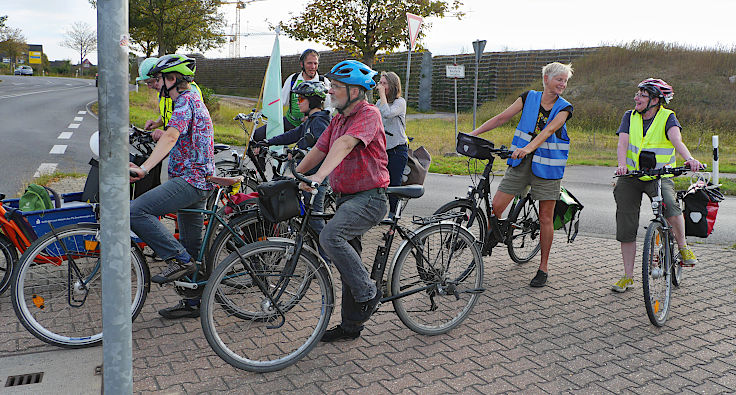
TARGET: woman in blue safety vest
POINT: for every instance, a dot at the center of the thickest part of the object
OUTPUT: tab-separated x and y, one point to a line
541	146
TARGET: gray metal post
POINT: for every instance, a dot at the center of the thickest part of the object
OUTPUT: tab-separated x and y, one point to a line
454	80
715	160
112	36
408	67
478	46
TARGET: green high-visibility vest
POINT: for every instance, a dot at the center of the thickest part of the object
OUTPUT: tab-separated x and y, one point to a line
655	141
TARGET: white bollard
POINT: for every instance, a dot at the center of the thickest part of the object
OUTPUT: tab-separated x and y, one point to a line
715	160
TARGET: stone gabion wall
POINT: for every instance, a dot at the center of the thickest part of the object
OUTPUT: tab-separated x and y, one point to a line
499	73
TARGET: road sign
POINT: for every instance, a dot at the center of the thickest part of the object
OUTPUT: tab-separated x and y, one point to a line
415	23
454	71
478	46
34	57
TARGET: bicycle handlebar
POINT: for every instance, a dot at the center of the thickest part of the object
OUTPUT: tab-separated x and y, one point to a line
657	173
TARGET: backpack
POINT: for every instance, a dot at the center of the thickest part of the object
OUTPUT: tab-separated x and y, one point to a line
36	198
296	75
567	214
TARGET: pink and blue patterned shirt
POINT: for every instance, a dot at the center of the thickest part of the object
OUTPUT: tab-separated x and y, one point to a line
193	156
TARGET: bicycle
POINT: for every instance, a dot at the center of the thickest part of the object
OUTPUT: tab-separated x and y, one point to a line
56	291
18	234
661	263
284	292
520	232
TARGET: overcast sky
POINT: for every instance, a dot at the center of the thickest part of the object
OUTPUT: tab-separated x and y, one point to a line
505	25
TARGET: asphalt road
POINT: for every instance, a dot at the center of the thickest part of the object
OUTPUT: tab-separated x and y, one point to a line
45	127
593	186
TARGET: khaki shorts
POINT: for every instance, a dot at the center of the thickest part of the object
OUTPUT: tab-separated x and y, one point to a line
627	194
518	178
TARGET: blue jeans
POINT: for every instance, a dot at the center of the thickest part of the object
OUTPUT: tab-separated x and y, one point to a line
167	198
340	239
397	158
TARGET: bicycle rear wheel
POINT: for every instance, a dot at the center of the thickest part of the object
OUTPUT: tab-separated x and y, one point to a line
473	218
240	320
440	278
523	229
656	274
8	258
57	287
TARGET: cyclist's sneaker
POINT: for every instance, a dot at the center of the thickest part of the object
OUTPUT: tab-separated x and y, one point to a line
175	270
688	257
623	284
183	309
539	280
338	333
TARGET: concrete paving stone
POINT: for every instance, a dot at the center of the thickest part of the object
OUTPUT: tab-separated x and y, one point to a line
606	371
376	362
728	379
497	386
618	385
697	374
372	376
711	388
399	384
524	380
434	373
584	378
557	385
674	382
643	377
437	387
490	359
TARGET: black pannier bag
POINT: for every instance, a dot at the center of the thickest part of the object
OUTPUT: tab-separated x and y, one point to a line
701	209
279	200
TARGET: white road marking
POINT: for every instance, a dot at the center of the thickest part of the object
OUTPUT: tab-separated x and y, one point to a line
58	149
78	119
81	112
65	135
73	126
9	96
45	168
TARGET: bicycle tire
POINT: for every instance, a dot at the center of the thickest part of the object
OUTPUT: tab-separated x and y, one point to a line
41	287
676	267
8	258
479	225
656	274
246	341
443	281
523	240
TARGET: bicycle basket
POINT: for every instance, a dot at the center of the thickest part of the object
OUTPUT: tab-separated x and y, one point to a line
279	200
474	147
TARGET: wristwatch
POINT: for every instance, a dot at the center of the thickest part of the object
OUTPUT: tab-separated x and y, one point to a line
145	171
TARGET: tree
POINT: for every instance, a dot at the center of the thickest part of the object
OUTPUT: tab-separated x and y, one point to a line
364	27
12	43
81	37
168	25
3	18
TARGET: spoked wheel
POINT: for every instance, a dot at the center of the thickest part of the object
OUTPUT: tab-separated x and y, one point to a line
656	274
524	230
8	259
472	218
440	278
267	319
57	287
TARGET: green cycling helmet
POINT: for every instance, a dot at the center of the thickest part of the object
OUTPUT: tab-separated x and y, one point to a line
175	63
311	88
144	69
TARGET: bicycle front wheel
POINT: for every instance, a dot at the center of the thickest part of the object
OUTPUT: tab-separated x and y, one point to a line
438	279
656	274
8	258
57	288
523	230
259	313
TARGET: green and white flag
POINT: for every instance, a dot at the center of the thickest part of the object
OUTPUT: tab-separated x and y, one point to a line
273	108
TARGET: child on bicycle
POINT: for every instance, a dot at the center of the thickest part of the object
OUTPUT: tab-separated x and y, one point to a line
189	140
648	133
540	147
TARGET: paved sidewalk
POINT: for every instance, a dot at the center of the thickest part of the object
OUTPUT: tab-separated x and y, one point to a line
572	336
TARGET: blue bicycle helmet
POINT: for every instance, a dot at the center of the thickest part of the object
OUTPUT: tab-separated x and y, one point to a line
352	72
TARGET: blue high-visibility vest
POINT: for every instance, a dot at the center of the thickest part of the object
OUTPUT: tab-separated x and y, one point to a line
550	157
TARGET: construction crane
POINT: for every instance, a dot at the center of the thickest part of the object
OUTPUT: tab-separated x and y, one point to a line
239	5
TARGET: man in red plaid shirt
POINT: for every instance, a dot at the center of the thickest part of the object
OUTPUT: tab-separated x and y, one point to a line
354	151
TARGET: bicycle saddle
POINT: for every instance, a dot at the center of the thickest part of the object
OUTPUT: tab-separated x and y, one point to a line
406	191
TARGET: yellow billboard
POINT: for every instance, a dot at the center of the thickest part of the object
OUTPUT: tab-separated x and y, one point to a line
34	57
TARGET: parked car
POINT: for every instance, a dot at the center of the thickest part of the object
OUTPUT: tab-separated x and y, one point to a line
23	70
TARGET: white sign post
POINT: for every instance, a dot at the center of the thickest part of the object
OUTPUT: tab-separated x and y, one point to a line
455	71
415	23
